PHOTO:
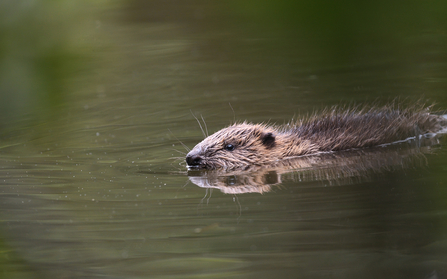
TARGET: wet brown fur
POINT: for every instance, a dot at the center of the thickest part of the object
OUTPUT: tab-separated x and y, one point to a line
332	130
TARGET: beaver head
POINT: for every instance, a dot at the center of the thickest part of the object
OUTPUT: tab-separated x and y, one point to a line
236	146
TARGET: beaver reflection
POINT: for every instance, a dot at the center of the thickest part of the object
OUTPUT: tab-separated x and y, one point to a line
335	168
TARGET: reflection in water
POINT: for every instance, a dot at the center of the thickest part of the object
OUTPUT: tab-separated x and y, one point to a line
339	168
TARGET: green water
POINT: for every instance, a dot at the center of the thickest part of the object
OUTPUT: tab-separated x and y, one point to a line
95	98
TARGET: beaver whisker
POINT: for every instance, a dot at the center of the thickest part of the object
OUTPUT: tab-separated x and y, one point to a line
204	123
181	152
234	114
203	132
184	146
176	158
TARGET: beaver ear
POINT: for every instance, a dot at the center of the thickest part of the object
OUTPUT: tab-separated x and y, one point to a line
268	139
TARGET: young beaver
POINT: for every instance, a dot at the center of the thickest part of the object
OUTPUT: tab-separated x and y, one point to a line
242	145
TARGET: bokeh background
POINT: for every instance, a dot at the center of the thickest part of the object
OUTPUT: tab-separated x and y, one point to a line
96	95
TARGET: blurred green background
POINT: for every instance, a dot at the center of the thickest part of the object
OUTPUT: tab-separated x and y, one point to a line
44	45
111	77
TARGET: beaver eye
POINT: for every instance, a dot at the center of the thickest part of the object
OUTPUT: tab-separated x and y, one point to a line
229	147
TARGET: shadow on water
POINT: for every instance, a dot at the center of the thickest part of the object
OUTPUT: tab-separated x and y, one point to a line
94	99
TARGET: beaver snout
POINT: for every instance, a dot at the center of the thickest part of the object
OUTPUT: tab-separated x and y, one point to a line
193	160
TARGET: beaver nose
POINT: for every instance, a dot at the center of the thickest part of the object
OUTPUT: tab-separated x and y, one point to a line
193	160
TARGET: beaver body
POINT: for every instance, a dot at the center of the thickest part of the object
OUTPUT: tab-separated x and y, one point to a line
245	144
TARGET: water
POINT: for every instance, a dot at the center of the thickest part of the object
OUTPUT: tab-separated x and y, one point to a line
93	180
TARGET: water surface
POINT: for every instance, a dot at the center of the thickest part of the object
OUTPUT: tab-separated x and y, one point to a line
93	181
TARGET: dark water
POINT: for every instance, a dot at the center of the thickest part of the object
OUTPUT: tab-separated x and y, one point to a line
95	99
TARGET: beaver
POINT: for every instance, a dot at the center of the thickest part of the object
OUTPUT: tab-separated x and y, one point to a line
245	144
